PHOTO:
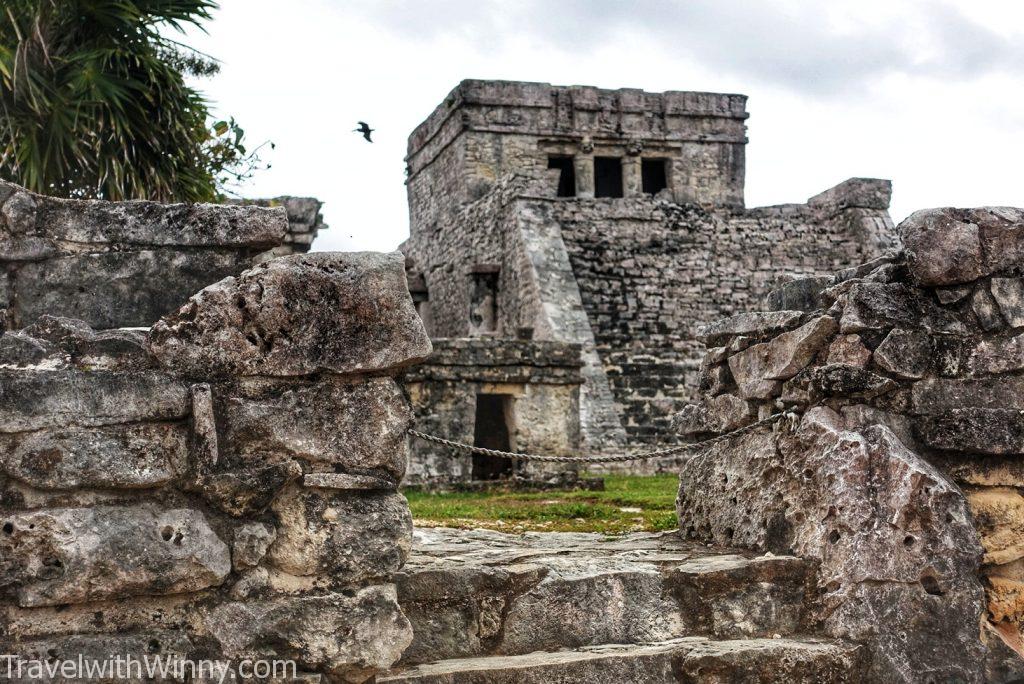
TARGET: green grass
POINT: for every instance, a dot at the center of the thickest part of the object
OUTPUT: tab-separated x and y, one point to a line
627	504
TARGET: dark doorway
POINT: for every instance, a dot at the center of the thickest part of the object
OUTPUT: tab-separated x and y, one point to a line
566	177
491	431
607	177
653	175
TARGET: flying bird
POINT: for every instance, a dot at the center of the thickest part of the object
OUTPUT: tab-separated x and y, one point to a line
365	129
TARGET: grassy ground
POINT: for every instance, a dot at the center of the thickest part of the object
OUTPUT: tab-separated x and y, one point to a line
628	504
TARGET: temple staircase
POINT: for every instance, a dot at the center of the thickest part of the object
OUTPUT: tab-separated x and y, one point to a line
570	607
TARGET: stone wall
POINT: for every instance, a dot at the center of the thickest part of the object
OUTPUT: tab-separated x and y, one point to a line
540	379
631	280
901	474
126	264
304	221
485	130
220	486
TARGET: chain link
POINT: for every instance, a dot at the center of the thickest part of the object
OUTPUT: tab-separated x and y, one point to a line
658	453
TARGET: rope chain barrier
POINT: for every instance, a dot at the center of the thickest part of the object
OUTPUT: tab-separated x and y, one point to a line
657	453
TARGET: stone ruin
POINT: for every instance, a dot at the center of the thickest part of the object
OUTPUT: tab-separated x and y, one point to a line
612	220
209	478
215	474
901	474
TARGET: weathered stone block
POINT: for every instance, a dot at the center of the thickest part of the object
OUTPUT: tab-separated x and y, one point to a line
894	537
975	430
348	536
723	413
843	380
997	355
117	457
72	555
117	289
999	516
781	358
802	294
1009	295
905	353
986	310
938	395
848	349
941	250
251	543
879	306
352	637
42	399
356	425
298	315
755	323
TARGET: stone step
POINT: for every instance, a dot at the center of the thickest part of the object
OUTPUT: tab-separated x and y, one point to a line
471	594
688	659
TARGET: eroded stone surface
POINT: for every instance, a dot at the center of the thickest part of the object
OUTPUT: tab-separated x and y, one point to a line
72	555
59	398
297	315
349	636
350	536
133	456
357	425
896	533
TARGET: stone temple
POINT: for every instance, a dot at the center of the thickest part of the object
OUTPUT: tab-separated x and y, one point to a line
567	243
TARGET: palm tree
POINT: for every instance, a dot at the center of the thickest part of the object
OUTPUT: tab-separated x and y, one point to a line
93	102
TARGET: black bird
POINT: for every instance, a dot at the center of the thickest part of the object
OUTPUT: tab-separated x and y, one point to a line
365	129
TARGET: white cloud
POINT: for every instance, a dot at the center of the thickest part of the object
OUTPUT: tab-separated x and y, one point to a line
926	93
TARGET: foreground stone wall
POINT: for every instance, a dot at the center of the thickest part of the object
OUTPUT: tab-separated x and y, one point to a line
221	486
540	380
126	264
902	474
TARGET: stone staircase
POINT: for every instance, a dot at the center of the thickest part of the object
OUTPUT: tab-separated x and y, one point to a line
564	607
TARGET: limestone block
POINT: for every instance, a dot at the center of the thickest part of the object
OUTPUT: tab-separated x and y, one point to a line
246	485
297	315
72	555
938	395
755	323
357	425
879	306
1009	295
59	398
118	289
21	238
843	380
975	430
349	536
782	357
942	250
156	643
1005	599
132	456
986	310
948	246
802	294
905	353
18	350
997	355
351	636
251	543
999	517
895	539
848	349
723	413
152	223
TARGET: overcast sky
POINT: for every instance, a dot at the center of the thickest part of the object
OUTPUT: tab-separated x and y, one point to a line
929	94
